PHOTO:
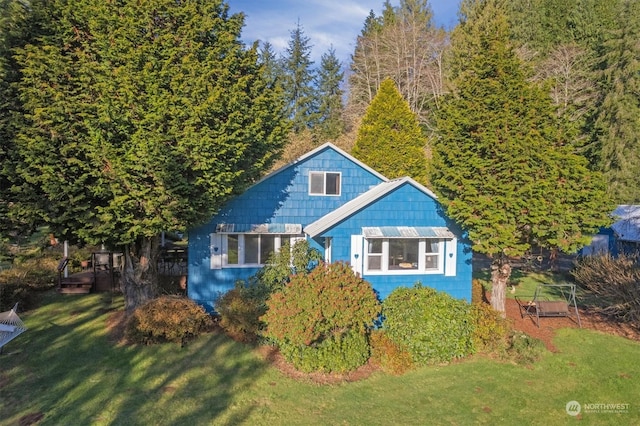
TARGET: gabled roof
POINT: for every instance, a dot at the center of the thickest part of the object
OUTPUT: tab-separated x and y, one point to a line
321	148
359	203
627	226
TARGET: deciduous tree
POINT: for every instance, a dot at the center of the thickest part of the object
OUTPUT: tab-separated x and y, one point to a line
403	44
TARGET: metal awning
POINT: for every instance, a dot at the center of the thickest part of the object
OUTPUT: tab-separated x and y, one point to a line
262	228
407	232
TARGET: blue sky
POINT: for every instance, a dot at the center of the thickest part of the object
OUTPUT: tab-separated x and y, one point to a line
327	23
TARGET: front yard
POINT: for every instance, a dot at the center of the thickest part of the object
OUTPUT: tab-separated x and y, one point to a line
66	369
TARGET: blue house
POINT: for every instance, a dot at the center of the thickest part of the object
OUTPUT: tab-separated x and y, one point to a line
621	237
391	232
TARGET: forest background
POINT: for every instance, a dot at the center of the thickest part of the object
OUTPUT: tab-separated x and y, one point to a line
117	124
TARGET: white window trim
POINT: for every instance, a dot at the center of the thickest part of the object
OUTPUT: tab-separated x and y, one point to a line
422	244
279	240
324	184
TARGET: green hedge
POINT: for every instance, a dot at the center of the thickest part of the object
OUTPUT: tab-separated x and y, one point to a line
340	354
432	325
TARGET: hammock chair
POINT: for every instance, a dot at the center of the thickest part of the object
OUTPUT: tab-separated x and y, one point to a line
11	326
542	305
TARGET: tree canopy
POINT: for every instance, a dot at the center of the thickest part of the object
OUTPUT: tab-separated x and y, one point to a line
330	121
389	138
504	164
141	118
298	78
616	131
402	44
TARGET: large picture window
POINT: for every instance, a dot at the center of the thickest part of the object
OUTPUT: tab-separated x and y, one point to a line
252	249
401	255
324	183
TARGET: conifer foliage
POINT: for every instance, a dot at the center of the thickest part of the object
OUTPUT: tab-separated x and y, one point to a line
503	165
141	117
390	139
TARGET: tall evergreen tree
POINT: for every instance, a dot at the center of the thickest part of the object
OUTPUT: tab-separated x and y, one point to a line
330	121
141	117
390	139
503	165
298	82
272	69
617	123
15	31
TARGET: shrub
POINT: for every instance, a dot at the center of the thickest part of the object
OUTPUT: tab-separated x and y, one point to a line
25	280
432	325
320	306
339	353
478	292
615	281
490	330
387	354
240	310
167	319
524	349
299	259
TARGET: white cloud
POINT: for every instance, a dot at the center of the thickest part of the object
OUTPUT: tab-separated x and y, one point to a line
326	23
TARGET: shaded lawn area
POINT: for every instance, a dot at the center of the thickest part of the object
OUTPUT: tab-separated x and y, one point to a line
64	370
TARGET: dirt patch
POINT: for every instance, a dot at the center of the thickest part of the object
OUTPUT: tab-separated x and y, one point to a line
548	326
30	419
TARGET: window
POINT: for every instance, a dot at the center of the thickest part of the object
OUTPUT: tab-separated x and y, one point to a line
374	256
232	249
431	255
252	249
324	183
402	255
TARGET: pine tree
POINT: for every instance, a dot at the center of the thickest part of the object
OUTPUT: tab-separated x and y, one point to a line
272	69
390	139
504	166
141	117
330	122
298	81
617	124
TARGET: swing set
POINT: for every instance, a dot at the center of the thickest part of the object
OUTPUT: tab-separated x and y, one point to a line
542	305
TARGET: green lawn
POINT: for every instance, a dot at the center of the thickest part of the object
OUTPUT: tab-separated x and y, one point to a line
65	368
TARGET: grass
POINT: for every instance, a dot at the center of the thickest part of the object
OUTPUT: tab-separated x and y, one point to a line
524	284
65	369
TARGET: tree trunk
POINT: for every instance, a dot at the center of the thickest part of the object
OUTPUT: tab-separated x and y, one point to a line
500	273
140	273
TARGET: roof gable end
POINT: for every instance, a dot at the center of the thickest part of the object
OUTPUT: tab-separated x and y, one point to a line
320	149
359	203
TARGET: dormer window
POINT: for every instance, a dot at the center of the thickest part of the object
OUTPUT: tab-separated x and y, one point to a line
324	183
